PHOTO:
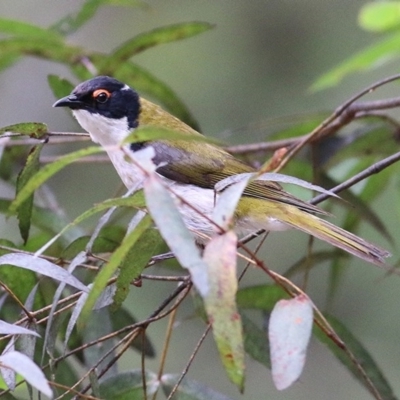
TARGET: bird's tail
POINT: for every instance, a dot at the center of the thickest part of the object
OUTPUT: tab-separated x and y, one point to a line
324	230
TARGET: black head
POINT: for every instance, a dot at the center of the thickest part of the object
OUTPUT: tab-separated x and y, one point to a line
105	96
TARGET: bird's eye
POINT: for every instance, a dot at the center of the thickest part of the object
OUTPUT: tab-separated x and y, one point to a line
101	95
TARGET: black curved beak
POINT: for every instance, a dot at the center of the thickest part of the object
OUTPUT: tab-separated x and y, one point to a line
71	101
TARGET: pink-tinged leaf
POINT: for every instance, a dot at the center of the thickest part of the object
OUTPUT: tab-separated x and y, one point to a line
24	366
43	267
289	332
220	304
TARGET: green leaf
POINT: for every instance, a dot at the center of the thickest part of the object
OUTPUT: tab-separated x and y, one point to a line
150	39
35	130
148	244
48	49
129	385
47	172
24	211
373	56
72	22
144	81
255	342
115	261
220	304
189	389
135	201
19	281
379	16
61	87
362	356
46	220
19	28
262	297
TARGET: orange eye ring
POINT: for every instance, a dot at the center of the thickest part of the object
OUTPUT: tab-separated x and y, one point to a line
101	95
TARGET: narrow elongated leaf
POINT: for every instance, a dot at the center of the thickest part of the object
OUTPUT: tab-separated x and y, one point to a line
289	332
384	50
136	201
172	228
129	385
43	267
135	261
109	269
72	22
48	49
220	257
11	329
19	28
189	389
24	366
24	211
150	39
36	130
379	16
362	356
47	172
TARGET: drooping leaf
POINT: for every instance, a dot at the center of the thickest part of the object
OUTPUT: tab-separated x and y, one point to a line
148	244
24	366
379	16
36	130
189	389
150	39
128	385
175	233
109	269
374	55
11	329
47	172
24	211
220	304
362	356
289	333
43	267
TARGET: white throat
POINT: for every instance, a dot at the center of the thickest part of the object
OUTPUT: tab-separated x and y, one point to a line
103	130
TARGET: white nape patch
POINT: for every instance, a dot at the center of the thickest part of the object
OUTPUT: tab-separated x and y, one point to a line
126	87
103	130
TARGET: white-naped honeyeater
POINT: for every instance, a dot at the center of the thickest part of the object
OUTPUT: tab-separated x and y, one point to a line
109	110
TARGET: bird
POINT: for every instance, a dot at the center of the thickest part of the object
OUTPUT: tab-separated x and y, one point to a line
109	110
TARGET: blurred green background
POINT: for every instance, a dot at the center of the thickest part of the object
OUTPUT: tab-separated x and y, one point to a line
256	65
